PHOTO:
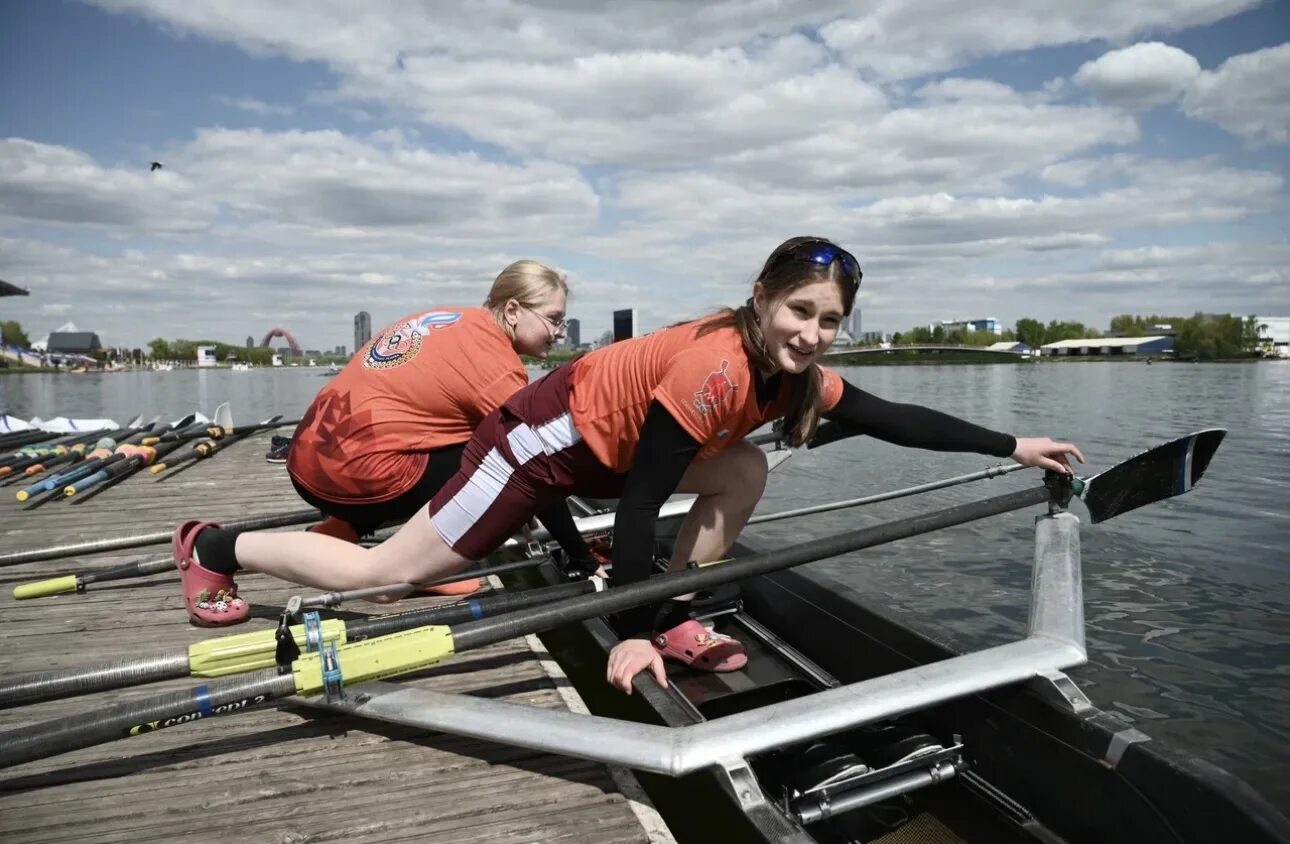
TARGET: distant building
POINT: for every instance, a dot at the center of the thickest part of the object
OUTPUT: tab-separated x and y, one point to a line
1006	346
624	324
1111	346
362	329
340	351
989	324
250	342
573	333
73	342
1274	336
872	338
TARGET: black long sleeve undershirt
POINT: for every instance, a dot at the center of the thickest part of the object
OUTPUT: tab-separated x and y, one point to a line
666	450
915	426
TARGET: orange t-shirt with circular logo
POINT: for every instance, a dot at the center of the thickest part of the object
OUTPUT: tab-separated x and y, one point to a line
703	379
422	383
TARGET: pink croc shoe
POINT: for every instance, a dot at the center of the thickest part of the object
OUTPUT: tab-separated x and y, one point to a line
698	647
211	598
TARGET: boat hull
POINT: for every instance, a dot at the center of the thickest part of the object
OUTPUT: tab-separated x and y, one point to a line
1044	764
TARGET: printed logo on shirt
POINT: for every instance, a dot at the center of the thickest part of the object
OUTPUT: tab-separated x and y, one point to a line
394	347
437	320
716	390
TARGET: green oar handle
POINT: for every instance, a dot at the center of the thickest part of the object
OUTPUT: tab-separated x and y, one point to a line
78	582
45	588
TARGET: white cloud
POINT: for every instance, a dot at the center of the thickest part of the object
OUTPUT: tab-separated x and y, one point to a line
335	186
661	149
969	136
1140	76
644	83
256	106
43	183
1249	96
898	39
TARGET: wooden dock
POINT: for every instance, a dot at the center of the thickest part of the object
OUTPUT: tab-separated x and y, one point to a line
276	774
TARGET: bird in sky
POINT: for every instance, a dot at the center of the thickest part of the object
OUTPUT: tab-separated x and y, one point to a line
156	165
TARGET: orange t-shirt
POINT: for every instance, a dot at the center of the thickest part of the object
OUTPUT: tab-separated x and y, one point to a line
705	382
422	383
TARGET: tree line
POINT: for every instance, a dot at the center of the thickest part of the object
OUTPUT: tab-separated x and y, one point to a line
1204	336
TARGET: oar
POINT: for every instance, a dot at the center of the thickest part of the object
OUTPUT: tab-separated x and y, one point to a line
91	463
207	448
80	582
124	453
244	652
1154	475
675	510
140	540
77	450
220	430
136	457
24	457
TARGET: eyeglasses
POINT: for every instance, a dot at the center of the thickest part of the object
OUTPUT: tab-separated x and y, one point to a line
824	254
556	327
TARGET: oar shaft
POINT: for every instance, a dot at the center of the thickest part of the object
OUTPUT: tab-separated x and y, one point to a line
118	543
490	631
472	609
69	682
335	599
137	717
992	472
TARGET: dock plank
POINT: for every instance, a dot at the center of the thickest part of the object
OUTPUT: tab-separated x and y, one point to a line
278	773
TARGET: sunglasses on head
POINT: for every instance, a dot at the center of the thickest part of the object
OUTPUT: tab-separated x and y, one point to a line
824	254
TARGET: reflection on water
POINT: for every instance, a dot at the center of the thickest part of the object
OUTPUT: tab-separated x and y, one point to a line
1187	602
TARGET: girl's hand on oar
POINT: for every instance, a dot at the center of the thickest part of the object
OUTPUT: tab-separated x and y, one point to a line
1046	454
630	657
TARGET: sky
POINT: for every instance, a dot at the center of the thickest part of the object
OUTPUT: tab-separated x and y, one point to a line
1042	159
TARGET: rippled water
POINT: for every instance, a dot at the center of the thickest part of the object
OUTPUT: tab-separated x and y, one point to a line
1187	602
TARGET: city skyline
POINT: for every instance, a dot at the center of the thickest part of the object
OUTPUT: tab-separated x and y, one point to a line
1063	162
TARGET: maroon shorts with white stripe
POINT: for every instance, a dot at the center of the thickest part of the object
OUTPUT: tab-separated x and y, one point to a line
523	456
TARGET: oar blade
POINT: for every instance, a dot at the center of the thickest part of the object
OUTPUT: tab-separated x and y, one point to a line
1154	475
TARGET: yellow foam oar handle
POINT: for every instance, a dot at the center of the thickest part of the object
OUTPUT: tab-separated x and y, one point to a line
378	658
45	588
250	651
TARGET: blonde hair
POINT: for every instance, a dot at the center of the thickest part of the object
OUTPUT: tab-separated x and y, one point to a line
779	278
530	283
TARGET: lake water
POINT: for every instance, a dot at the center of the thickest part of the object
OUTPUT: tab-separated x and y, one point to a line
1187	603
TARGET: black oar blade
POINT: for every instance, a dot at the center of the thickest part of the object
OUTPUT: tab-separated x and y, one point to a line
1154	475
